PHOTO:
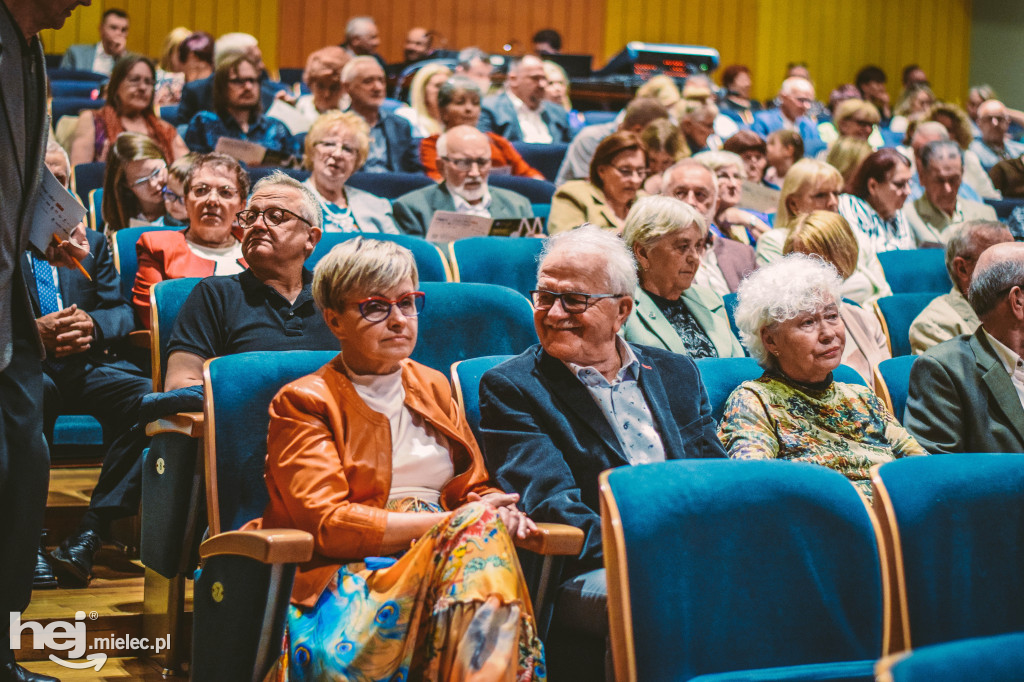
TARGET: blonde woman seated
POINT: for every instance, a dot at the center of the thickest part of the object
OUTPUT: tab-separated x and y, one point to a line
789	319
828	235
668	238
371	455
336	147
423	113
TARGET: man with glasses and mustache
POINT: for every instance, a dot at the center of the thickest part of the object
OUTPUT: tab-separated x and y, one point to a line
464	159
583	401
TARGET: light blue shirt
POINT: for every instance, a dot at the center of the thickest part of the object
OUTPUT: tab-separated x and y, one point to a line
623	404
377	157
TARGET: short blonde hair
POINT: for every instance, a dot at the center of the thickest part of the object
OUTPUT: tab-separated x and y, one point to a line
353	123
361	265
802	175
855	108
714	161
654	217
828	235
662	88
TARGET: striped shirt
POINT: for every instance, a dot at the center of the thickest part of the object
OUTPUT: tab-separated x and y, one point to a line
879	234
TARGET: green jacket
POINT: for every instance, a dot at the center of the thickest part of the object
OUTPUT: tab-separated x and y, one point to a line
647	325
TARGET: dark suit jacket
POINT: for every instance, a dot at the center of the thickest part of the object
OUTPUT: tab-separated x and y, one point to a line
403	152
414	211
498	115
961	399
101	298
198	96
545	437
735	260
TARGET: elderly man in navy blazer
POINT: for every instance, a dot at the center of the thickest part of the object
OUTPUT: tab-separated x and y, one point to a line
521	113
392	148
583	401
796	97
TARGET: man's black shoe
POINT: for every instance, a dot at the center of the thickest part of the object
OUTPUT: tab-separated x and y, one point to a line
43	577
73	559
12	672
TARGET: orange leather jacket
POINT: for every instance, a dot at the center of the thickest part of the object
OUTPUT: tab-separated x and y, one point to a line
328	467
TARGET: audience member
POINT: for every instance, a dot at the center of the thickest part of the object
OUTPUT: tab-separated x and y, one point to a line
757	194
700	88
661	87
557	93
129	108
83	323
133	183
238	114
955	121
323	77
522	113
950	315
473	63
846	155
583	401
828	235
733	222
994	145
913	105
697	122
392	148
428	487
617	173
423	114
913	75
920	135
818	111
940	165
464	159
100	58
871	81
668	239
215	191
458	101
336	147
417	47
727	261
789	320
966	394
874	205
362	39
639	113
665	145
196	56
736	102
174	191
795	99
783	149
170	72
853	118
1008	177
547	41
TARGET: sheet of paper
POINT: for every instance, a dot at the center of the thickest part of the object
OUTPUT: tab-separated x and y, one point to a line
291	117
249	153
447	226
57	211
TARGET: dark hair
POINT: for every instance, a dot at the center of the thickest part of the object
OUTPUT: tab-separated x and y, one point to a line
876	167
200	44
745	141
549	36
113	11
791	139
730	73
610	147
218	161
222	75
120	72
909	69
869	74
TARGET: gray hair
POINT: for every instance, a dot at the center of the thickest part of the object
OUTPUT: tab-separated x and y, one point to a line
992	283
587	241
716	160
932	127
780	291
53	147
357	26
515	63
794	82
348	72
308	209
654	217
453	86
961	240
361	265
940	150
468	55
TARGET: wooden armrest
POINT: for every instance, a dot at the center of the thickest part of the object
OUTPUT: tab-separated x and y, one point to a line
140	338
186	423
269	545
554	538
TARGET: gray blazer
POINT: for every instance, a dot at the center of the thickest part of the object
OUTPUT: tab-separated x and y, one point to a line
648	326
21	169
79	57
961	399
414	211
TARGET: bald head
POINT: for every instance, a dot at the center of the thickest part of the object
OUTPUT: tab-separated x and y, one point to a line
417	44
528	81
993	122
464	159
996	292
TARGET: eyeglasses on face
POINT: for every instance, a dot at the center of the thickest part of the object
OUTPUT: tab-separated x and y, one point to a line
272	216
244	81
151	176
378	308
332	146
172	196
573	302
203	191
139	80
467	164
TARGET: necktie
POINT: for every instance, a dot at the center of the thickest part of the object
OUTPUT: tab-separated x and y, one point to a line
49	297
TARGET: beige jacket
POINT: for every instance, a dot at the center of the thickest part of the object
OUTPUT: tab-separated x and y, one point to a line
866	345
948	316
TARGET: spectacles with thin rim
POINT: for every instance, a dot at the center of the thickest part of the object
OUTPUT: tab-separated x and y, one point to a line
573	302
272	216
467	164
146	178
378	308
244	81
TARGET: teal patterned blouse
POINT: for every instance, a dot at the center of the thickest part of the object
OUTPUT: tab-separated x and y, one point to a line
841	426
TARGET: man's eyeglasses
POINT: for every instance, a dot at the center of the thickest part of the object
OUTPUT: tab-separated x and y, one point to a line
272	216
172	196
378	308
573	302
330	146
467	164
244	81
146	178
203	191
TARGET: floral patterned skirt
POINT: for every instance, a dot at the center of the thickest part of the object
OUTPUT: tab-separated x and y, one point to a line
454	608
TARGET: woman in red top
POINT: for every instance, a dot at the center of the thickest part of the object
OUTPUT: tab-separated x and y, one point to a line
459	103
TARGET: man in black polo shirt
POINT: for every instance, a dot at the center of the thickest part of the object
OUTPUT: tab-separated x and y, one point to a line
267	307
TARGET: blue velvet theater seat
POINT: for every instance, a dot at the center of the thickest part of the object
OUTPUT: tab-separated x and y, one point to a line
546	158
497	260
740	570
430	262
897	313
126	259
983	659
894	374
915	270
